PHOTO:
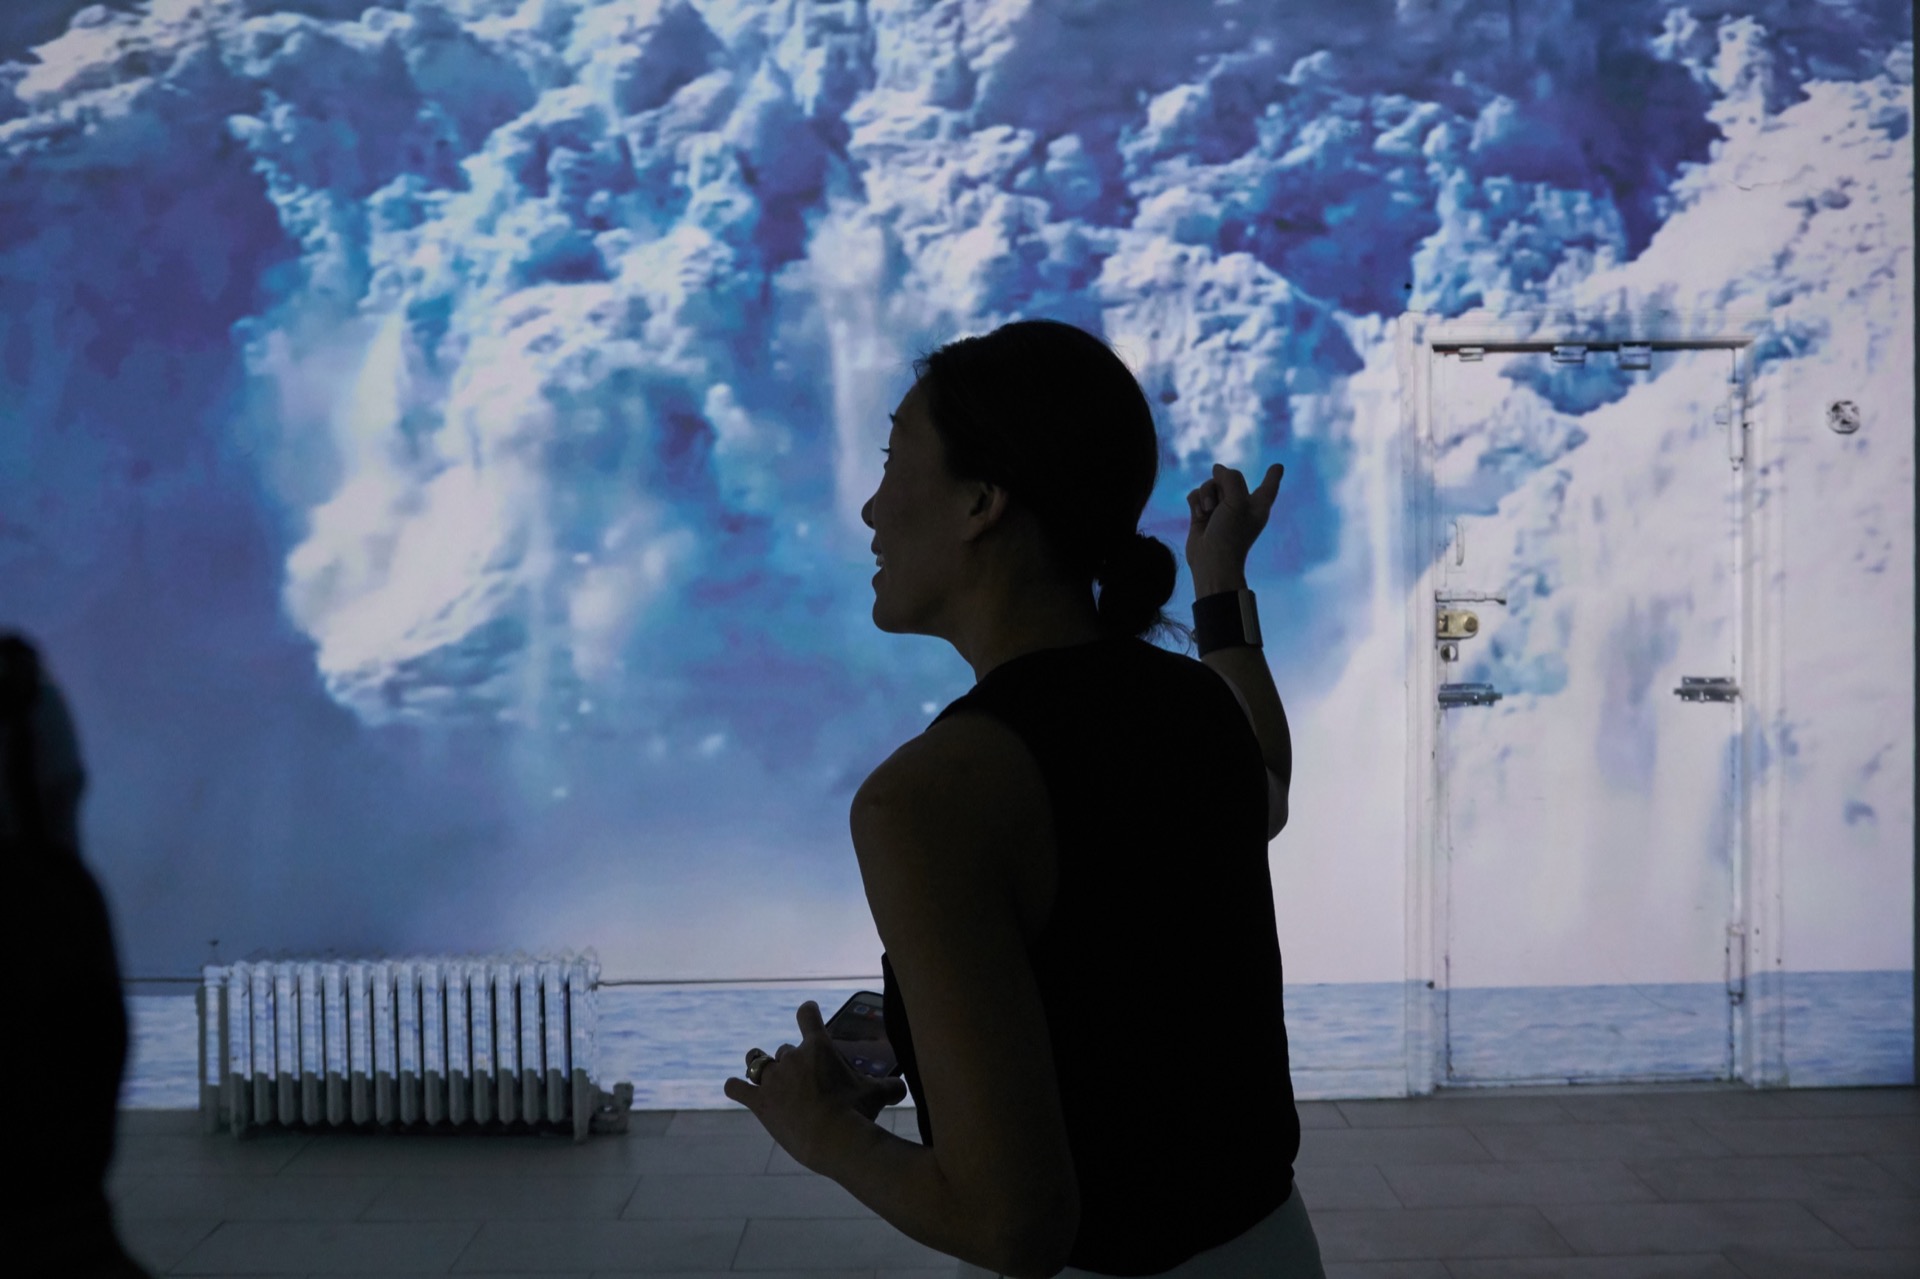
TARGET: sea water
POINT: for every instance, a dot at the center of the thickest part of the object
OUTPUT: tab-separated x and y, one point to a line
678	1046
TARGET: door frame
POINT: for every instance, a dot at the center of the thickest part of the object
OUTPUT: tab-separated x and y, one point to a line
1755	950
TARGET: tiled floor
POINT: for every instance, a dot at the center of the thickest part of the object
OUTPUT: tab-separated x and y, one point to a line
1640	1183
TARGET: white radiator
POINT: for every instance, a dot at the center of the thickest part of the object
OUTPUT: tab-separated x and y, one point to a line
433	1040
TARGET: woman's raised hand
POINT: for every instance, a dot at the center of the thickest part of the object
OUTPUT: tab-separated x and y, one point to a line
1227	520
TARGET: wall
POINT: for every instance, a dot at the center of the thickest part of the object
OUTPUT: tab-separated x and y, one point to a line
432	444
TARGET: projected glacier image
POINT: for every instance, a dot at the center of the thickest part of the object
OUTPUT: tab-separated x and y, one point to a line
433	438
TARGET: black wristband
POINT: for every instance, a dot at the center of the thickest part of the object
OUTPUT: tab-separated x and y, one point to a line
1225	620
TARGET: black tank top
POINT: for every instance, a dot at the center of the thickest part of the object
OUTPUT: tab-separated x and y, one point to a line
1160	965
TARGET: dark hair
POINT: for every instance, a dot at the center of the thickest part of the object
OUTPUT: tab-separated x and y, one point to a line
19	696
1050	413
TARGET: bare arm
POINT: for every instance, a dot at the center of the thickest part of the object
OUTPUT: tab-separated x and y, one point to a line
1245	670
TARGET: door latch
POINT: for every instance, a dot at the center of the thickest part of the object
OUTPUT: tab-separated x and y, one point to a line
1699	688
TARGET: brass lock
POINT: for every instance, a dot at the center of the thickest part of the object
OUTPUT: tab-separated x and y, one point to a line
1457	624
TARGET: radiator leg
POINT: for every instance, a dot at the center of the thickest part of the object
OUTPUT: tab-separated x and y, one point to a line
582	1105
362	1097
508	1111
240	1098
209	1093
289	1109
409	1097
310	1099
459	1097
383	1100
436	1099
556	1095
530	1096
482	1099
230	1090
336	1099
262	1098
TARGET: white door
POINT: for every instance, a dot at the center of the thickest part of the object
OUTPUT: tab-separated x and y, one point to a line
1587	498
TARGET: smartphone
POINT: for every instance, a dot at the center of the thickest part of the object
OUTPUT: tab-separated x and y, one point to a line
859	1032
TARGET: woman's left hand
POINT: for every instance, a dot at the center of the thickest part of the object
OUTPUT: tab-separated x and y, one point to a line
806	1094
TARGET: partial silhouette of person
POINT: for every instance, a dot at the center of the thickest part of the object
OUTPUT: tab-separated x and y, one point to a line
69	1034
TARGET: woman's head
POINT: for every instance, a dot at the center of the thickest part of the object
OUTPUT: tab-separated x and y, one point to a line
41	775
1024	457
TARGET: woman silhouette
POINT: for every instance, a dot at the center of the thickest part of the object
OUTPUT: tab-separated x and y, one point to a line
70	1003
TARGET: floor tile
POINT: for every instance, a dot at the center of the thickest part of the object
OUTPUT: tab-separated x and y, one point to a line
1695	1266
1904	1168
1386	1269
121	1180
1413	1233
178	1123
1658	1107
328	1248
1758	1263
1320	1114
452	1197
1889	1134
811	1272
1872	1223
1767	1177
1613	1183
738	1122
173	1154
1492	1184
834	1244
160	1245
672	1198
1383	1145
646	1246
654	1123
1613	1229
1522	1143
519	1157
231	1197
1824	1103
1345	1186
643	1156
